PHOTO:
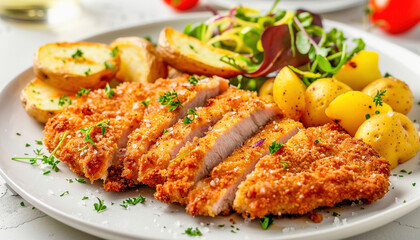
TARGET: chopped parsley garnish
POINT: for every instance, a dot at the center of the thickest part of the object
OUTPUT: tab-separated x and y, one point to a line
191	112
193	232
87	72
367	116
80	180
28	145
414	184
318	140
33	208
109	66
84	198
193	80
103	125
78	54
164	131
64	193
39	142
266	222
403	171
221	225
114	51
404	201
133	201
192	48
22	204
18	134
48	160
47	172
145	102
335	214
109	91
410	172
377	99
274	147
83	91
284	163
377	112
387	75
171	99
63	100
99	206
69	180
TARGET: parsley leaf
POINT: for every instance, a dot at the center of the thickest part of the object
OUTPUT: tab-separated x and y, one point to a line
87	72
171	99
377	99
133	201
78	54
63	100
193	80
109	66
84	198
103	125
100	206
64	193
193	232
266	222
114	51
145	102
80	180
274	147
109	91
83	91
190	112
39	142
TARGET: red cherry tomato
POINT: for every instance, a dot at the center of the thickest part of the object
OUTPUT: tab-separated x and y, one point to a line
394	16
181	5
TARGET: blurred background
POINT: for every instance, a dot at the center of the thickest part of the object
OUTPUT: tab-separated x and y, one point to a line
25	25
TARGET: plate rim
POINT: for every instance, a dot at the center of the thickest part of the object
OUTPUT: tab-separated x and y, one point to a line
347	230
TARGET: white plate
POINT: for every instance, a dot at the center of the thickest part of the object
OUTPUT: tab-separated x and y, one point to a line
157	220
317	6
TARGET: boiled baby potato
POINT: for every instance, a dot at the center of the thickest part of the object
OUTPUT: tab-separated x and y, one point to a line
318	96
361	70
289	93
42	101
398	95
392	135
266	90
140	62
352	108
72	66
190	55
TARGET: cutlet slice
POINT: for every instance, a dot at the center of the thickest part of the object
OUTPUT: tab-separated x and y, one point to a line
154	163
318	167
87	109
215	194
159	117
109	128
197	158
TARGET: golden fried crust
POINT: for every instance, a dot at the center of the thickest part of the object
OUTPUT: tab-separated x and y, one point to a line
153	165
158	117
210	195
183	170
317	174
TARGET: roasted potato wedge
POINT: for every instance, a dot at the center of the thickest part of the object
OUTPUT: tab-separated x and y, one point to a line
140	62
191	55
42	101
71	66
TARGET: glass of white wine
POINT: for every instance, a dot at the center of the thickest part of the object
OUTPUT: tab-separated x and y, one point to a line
50	11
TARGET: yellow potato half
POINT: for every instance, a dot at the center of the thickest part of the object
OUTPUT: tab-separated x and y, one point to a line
266	90
318	96
352	108
392	135
289	93
398	95
361	70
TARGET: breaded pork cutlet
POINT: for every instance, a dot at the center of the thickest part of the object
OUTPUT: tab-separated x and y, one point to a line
154	163
163	114
319	166
93	146
215	194
198	157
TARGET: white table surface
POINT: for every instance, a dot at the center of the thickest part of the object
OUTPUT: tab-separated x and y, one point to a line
19	41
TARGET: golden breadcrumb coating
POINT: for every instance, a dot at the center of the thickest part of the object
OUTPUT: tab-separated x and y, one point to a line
320	166
153	165
158	117
215	194
193	161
